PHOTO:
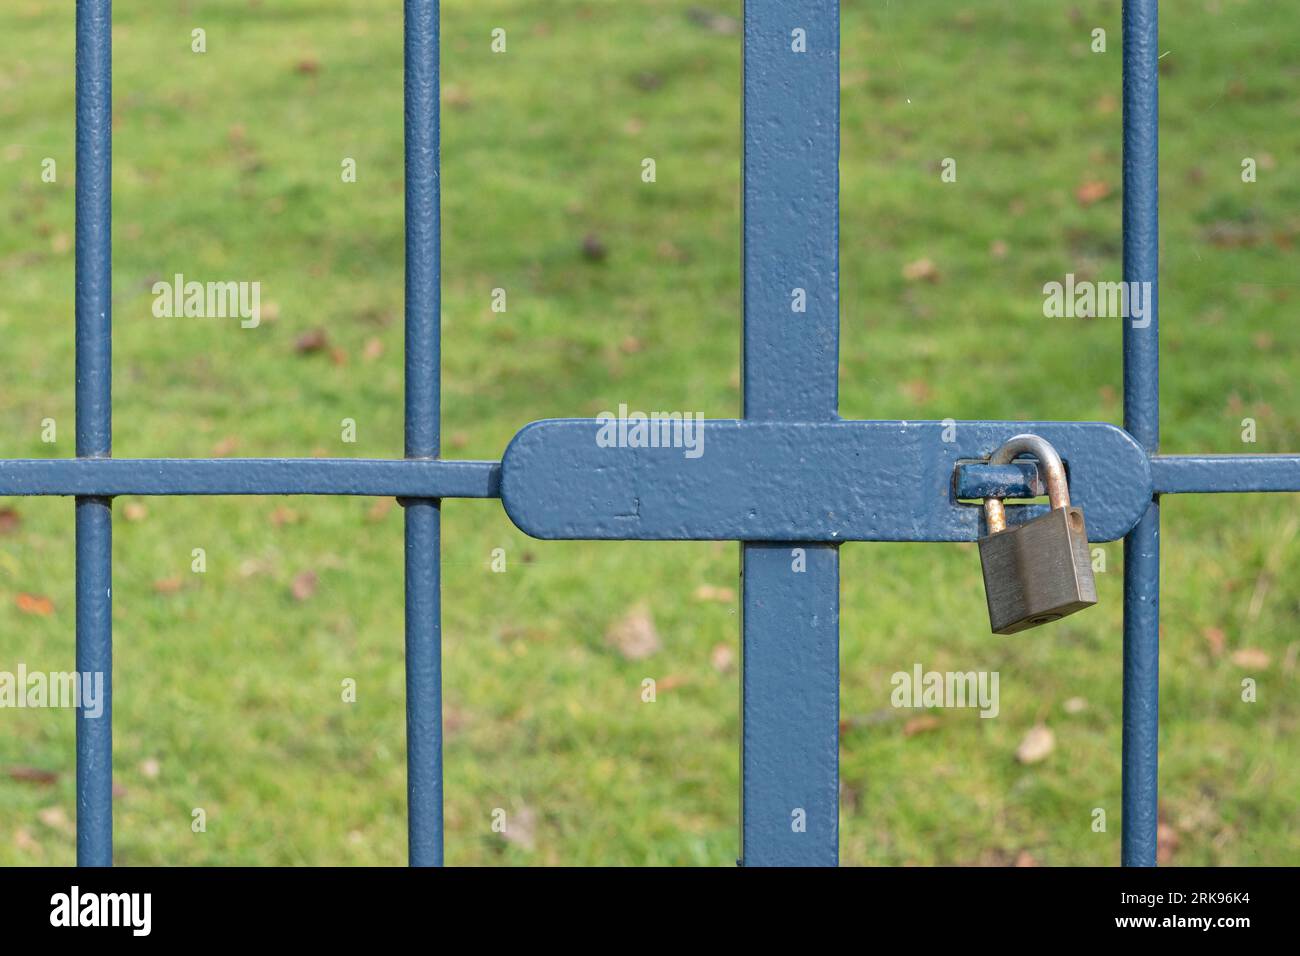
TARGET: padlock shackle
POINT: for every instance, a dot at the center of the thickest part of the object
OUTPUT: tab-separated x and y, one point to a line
1058	488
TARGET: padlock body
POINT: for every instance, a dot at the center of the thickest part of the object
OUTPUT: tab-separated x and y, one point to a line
1037	572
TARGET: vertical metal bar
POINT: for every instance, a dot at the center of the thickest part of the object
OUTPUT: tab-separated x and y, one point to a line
790	605
94	423
423	367
1142	420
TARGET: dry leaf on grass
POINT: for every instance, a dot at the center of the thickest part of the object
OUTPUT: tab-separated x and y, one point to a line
56	818
37	604
227	446
920	725
35	775
24	840
594	248
922	270
1037	745
282	516
304	585
710	592
521	827
1251	658
315	340
634	635
1167	840
1091	191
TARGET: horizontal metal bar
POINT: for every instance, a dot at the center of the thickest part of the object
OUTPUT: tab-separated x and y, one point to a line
1211	474
106	477
792	481
976	480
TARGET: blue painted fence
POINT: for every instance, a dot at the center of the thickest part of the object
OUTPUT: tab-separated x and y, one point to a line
790	476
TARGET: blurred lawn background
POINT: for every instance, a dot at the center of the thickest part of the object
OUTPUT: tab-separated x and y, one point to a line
227	166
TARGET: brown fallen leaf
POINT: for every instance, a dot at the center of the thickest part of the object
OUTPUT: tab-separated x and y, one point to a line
167	586
1037	745
593	248
647	81
282	516
671	682
379	509
710	592
672	252
134	511
521	827
372	349
1167	840
56	818
1215	637
1025	858
1091	191
917	391
634	635
457	97
37	604
454	721
1228	234
713	22
24	840
304	585
314	340
922	270
35	775
227	446
920	725
1251	658
252	567
9	520
308	66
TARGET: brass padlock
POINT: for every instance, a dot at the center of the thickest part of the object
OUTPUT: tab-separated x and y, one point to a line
1039	571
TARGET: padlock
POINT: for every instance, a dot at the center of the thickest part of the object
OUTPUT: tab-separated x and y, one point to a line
1039	571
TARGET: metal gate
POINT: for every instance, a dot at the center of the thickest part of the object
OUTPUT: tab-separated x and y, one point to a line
790	478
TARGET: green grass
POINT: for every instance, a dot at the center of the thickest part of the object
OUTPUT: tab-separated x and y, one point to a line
227	166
